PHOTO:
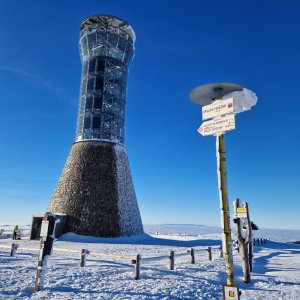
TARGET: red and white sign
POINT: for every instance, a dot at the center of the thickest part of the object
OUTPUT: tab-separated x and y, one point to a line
217	125
217	108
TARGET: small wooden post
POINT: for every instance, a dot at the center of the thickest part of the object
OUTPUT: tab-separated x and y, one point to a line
254	242
171	260
83	254
13	249
209	253
137	268
192	256
257	242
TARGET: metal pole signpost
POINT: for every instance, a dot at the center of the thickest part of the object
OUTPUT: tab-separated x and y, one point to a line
47	237
224	205
209	96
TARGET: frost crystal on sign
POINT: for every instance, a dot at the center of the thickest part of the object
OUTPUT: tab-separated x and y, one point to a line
243	100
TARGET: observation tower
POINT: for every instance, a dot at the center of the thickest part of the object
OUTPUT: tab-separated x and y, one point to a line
95	189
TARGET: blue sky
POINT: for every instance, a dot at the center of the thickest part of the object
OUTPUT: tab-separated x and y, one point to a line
180	45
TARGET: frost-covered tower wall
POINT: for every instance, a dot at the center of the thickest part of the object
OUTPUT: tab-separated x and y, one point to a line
95	189
106	49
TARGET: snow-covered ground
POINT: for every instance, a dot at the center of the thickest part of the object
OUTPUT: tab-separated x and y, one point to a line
276	267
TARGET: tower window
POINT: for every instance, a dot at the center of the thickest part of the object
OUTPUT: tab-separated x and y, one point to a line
87	123
96	122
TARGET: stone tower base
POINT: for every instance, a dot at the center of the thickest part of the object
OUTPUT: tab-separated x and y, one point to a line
96	192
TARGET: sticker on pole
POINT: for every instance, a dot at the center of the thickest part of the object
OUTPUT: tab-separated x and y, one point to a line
217	108
231	292
224	243
217	125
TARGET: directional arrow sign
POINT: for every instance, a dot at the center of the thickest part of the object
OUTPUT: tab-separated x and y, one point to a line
217	125
217	108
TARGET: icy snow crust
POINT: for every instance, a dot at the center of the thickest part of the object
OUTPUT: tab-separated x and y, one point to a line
276	268
243	100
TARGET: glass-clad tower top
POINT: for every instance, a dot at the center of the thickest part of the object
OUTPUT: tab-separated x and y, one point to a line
106	48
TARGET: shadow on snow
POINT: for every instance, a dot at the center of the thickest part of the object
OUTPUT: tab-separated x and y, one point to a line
143	239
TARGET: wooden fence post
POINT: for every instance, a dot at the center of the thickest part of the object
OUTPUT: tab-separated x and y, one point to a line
137	268
254	242
209	253
13	250
171	260
192	256
83	254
